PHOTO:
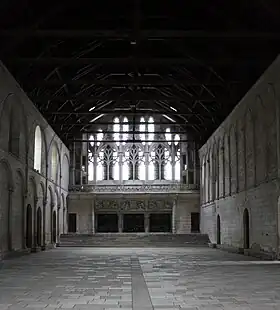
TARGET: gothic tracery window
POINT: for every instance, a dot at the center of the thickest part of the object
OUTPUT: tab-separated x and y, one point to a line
144	160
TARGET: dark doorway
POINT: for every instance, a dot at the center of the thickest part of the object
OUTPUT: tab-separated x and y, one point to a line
39	227
246	229
195	219
133	223
218	229
54	227
72	222
29	227
107	223
160	222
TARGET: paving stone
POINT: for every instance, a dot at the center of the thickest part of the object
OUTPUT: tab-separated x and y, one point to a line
105	278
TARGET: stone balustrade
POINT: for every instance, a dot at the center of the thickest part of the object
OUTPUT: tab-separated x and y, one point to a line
135	188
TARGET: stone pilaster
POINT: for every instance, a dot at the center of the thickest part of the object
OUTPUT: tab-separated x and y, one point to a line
120	222
147	222
174	216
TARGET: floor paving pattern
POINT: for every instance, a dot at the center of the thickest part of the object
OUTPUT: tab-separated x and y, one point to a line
139	279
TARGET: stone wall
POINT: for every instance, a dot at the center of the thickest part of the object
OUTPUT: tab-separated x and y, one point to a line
86	205
240	170
27	192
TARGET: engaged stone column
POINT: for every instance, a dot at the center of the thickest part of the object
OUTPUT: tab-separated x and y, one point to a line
120	222
10	217
174	217
93	217
147	222
45	201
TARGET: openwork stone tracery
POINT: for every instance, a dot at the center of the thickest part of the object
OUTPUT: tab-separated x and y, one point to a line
145	156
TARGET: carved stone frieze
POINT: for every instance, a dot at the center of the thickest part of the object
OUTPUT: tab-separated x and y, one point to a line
159	205
132	205
106	205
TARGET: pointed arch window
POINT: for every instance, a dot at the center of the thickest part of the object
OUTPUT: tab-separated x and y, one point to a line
116	129
91	158
100	157
151	129
55	163
142	129
125	129
177	157
38	149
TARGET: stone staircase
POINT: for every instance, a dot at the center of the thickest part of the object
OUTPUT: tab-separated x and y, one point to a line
130	240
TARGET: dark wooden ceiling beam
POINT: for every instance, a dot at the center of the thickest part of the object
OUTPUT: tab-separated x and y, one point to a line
169	61
148	34
144	81
121	98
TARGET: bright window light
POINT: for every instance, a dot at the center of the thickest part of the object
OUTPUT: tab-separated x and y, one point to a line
169	118
96	118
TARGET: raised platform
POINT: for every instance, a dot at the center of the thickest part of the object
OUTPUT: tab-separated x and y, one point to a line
130	240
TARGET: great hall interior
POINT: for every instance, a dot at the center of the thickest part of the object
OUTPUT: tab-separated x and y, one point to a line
152	119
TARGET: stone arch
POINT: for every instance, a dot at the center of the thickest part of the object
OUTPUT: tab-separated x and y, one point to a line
63	207
218	229
65	172
54	227
18	212
40	215
55	162
32	200
246	229
29	229
39	227
58	214
48	214
6	188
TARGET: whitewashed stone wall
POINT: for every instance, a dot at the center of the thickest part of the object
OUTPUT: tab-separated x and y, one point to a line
20	184
245	160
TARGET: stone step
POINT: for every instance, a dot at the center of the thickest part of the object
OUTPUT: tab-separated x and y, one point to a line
133	240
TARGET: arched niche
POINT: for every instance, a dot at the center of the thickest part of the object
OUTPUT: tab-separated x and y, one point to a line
6	187
246	229
48	213
55	163
65	172
218	229
40	215
18	212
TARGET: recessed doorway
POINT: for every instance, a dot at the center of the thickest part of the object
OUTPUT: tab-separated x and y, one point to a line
107	223
39	227
218	229
246	229
29	227
160	222
133	223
